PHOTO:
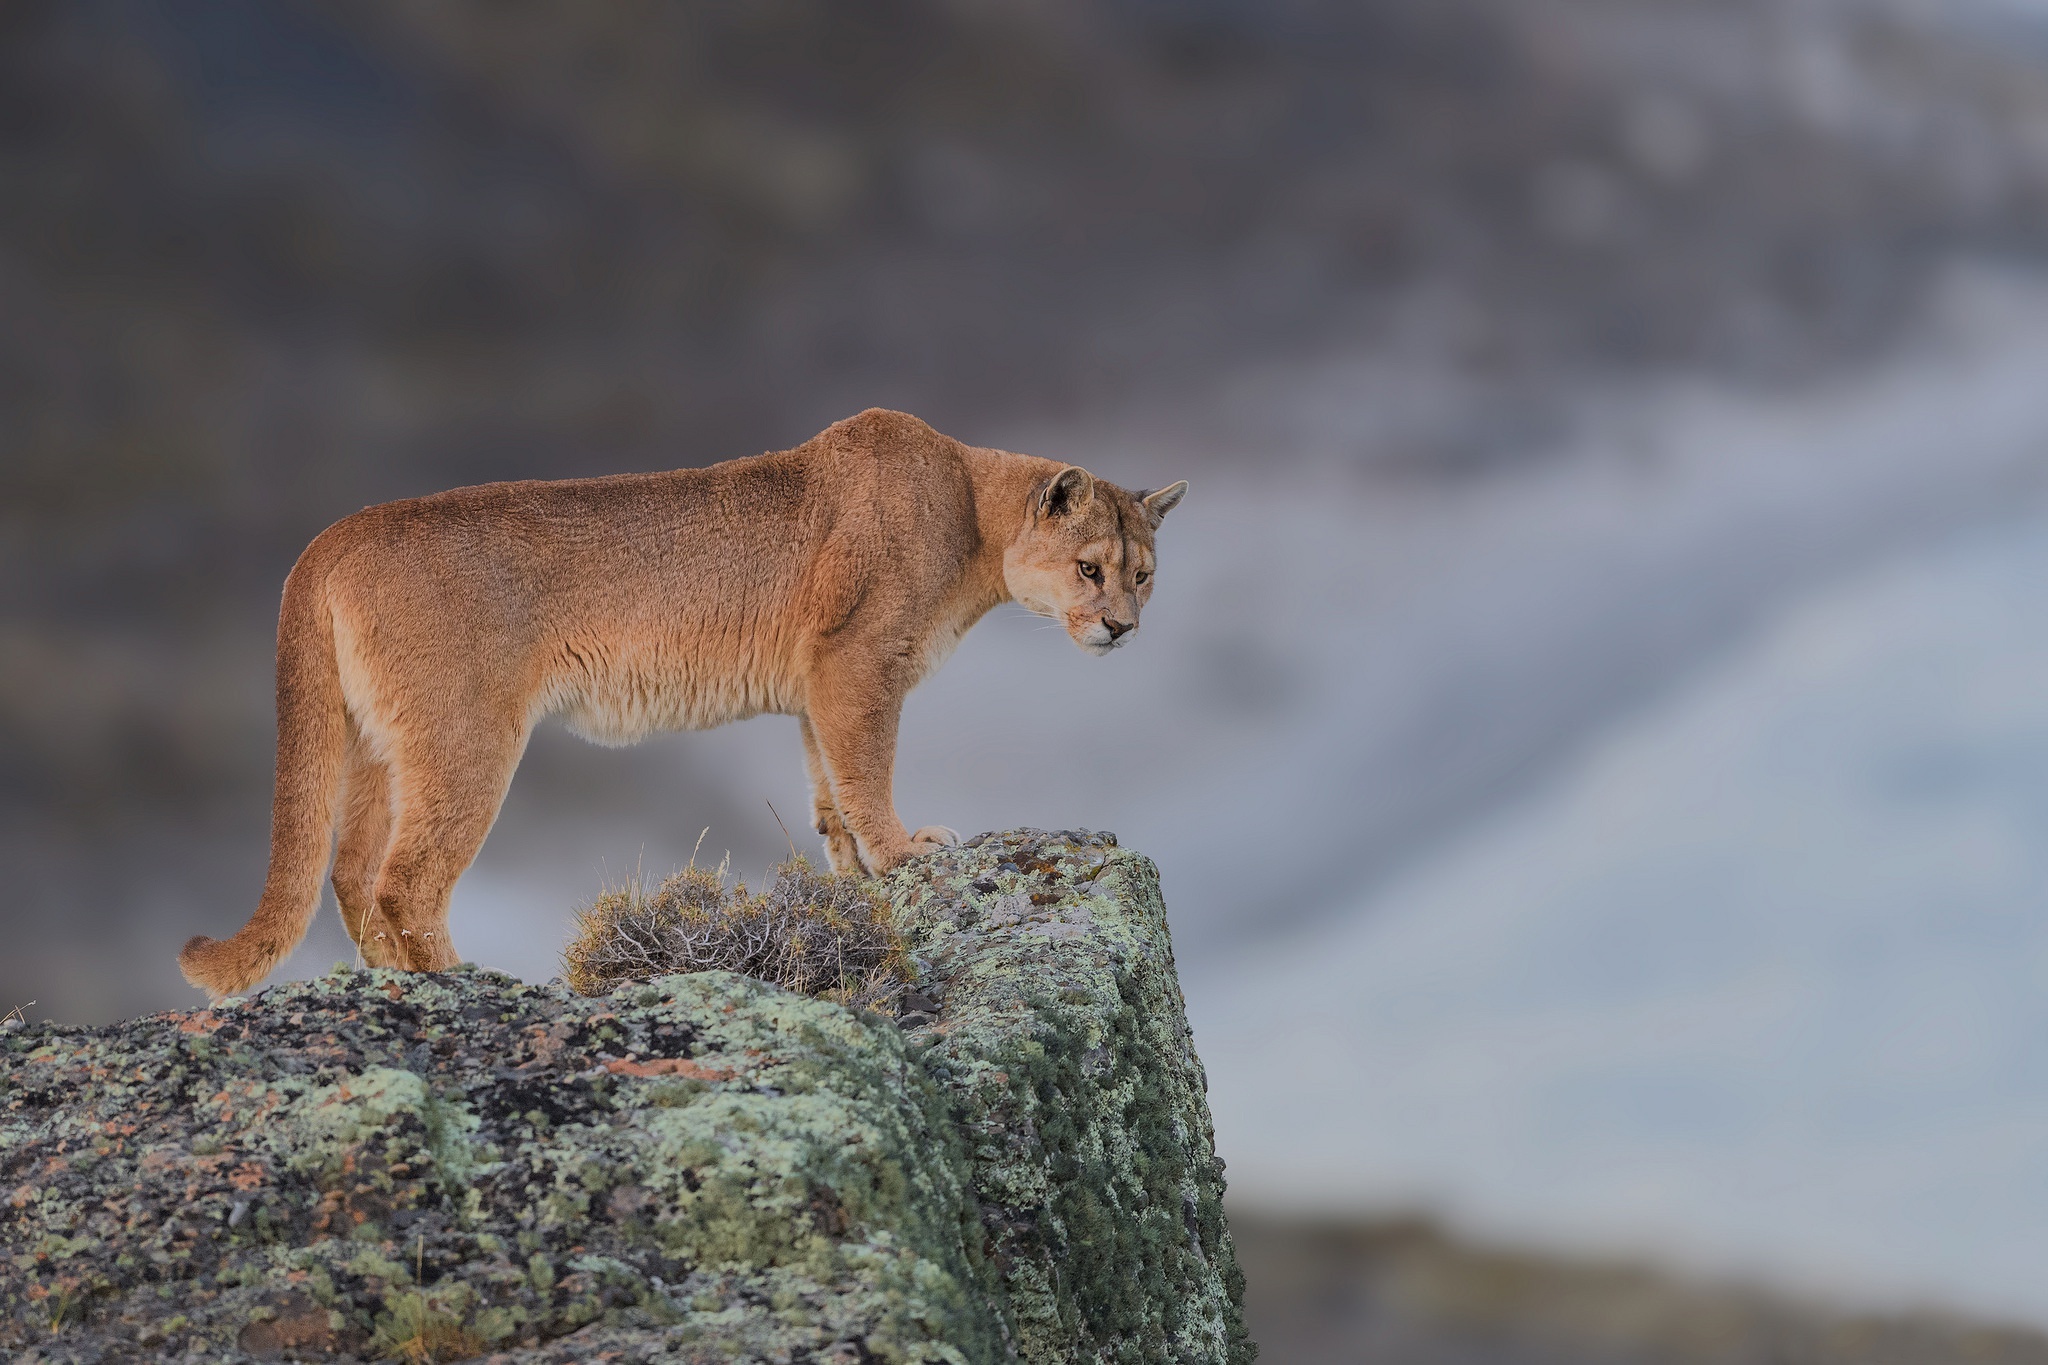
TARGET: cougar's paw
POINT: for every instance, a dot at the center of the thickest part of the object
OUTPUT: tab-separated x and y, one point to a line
840	849
843	853
381	943
429	950
935	836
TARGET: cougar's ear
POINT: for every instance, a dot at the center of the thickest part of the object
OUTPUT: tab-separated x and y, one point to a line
1157	505
1069	491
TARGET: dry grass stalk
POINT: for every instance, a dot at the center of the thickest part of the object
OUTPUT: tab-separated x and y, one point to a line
810	931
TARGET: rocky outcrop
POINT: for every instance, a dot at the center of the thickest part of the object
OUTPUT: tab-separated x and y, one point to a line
696	1168
1062	1044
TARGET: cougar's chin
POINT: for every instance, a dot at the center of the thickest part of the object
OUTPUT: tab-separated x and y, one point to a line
1096	639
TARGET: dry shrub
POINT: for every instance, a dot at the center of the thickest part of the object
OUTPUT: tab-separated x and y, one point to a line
419	1332
811	931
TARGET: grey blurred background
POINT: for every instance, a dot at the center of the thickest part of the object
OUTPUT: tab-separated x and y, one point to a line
1593	722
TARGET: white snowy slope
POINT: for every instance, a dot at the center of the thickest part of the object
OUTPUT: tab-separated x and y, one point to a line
1760	984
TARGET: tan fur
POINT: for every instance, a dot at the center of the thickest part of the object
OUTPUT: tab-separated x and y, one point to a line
420	642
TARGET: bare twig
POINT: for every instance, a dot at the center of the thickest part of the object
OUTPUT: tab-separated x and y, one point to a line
785	828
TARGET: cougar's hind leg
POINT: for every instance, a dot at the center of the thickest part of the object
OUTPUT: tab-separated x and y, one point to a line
840	848
365	831
450	784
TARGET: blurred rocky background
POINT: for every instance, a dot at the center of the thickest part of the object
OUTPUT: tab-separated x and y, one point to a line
1531	361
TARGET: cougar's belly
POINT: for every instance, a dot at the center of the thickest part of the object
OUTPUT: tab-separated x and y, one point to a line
620	702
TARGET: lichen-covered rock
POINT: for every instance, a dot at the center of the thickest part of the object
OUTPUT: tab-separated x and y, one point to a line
1062	1042
379	1165
700	1168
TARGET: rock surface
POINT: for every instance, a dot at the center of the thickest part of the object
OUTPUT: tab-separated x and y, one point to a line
699	1168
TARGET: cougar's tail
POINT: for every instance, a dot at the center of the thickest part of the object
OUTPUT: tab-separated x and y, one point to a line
312	736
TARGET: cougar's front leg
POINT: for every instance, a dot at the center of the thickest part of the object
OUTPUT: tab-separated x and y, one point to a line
854	710
840	847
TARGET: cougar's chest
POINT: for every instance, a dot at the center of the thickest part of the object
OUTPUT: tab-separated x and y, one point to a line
942	637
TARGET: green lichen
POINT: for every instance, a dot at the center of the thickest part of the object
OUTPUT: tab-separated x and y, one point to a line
327	1125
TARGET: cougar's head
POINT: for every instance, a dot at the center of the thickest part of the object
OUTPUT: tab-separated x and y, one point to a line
1084	556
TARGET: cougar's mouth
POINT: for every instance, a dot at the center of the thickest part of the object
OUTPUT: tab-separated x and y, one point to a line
1096	639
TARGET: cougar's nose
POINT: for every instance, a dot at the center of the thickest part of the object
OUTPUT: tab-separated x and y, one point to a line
1118	629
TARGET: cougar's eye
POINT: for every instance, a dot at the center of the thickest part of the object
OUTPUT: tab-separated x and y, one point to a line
1091	572
1143	574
